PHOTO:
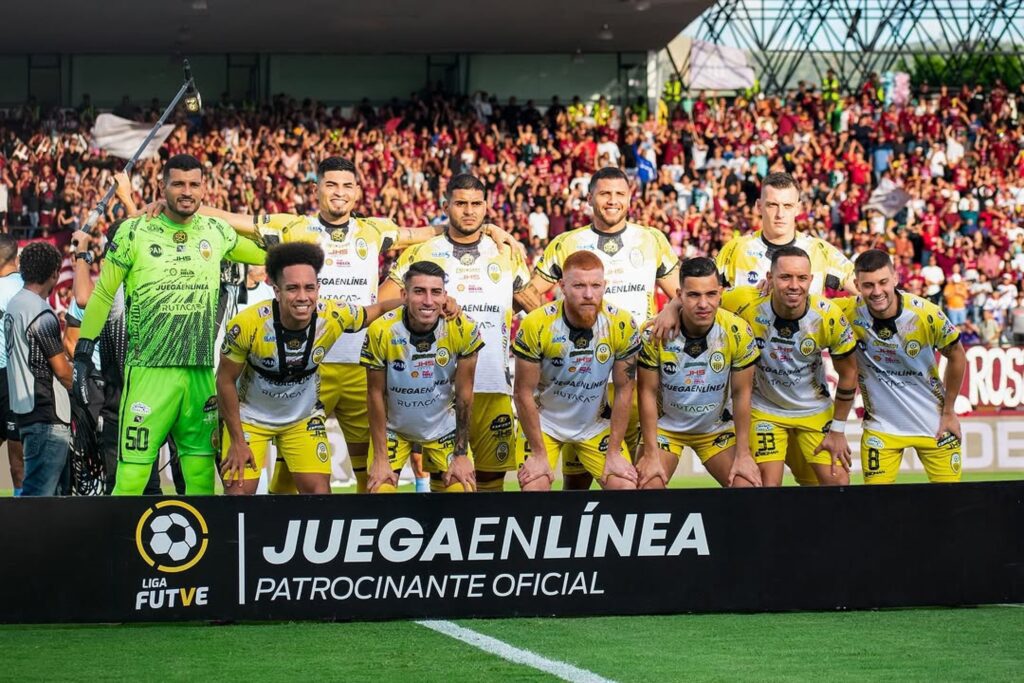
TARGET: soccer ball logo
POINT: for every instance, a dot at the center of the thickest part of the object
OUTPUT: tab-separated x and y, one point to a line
171	536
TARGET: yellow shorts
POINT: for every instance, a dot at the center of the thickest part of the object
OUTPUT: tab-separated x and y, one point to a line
770	436
343	394
583	456
706	446
492	433
881	455
435	453
303	445
572	465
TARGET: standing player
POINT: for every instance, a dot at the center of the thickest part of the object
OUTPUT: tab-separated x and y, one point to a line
566	353
636	260
10	284
791	403
906	405
685	384
170	267
419	370
275	347
353	247
485	280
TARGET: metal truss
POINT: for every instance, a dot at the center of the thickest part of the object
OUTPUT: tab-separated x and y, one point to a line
791	40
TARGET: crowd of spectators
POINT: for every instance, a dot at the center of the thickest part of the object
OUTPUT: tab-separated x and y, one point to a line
957	153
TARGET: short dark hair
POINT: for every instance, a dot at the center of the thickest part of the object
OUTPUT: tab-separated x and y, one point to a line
872	260
700	266
607	173
181	162
8	249
281	256
464	181
39	261
336	164
783	252
424	268
780	180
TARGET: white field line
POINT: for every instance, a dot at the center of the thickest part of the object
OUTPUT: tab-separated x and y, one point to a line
567	672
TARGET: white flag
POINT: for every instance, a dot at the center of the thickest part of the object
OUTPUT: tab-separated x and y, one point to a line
717	67
121	137
888	198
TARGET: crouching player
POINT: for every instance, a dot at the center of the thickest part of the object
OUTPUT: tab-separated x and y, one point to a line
685	383
275	348
419	373
566	352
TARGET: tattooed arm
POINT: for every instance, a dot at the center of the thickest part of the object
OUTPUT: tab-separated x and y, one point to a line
624	378
461	468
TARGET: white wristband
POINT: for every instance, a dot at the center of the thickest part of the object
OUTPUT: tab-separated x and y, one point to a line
838	426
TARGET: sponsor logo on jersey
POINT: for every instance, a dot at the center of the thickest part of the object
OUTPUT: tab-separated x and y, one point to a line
663	442
361	249
885	333
155	251
442	357
338	235
494	272
717	361
669	368
210	405
807	346
502	423
398	365
723	439
762	427
205	250
180	237
557	362
913	348
267	362
318	354
874	442
140	408
467	259
603	353
752	277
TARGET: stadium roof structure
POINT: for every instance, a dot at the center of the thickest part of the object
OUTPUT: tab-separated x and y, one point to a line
344	26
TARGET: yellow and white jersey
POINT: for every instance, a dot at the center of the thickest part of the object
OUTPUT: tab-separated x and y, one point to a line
351	266
790	380
695	374
420	371
634	259
746	260
482	280
272	393
898	373
575	366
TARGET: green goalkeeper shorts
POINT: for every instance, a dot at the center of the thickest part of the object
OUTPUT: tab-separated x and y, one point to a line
180	402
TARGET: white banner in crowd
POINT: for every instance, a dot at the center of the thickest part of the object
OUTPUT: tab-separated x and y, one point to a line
121	137
716	67
888	197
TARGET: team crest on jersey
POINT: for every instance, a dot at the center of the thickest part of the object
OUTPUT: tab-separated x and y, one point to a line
293	344
443	357
502	452
913	348
717	361
807	346
338	235
494	272
467	259
180	237
954	462
885	333
205	250
603	353
155	251
318	354
636	258
361	249
321	452
610	247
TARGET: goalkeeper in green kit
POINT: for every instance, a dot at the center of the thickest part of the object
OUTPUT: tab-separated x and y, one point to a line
170	268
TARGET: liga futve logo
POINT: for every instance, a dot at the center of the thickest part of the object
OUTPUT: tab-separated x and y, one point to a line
171	536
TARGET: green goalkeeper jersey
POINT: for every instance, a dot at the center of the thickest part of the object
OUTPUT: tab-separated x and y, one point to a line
171	276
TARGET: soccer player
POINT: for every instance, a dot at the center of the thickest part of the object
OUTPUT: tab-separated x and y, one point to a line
353	246
485	280
419	369
275	347
636	260
906	405
791	402
566	353
10	284
685	384
170	267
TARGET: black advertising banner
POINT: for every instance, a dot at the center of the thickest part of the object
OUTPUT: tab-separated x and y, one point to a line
441	556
